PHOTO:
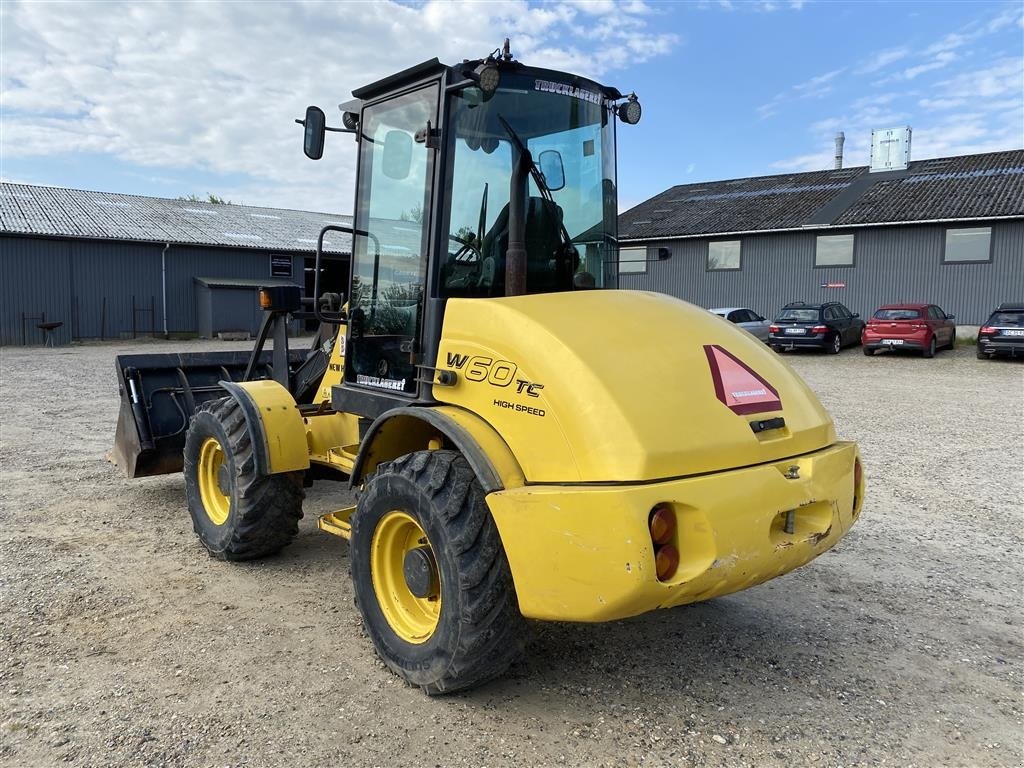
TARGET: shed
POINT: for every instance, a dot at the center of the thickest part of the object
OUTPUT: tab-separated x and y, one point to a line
231	304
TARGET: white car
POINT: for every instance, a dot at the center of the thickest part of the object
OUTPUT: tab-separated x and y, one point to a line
747	319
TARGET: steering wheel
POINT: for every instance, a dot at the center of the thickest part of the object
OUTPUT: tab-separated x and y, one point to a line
462	270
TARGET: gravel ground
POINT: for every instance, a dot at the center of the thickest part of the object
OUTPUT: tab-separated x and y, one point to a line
122	643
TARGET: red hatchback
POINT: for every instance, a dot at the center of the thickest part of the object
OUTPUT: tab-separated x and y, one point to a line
919	327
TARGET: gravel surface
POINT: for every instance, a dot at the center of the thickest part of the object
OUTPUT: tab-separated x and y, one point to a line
122	643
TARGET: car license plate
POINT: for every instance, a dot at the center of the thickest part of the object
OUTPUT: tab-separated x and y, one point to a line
796	331
1013	333
892	341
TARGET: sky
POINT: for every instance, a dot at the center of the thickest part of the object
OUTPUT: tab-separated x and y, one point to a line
173	99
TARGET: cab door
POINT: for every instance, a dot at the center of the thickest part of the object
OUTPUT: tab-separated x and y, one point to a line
390	247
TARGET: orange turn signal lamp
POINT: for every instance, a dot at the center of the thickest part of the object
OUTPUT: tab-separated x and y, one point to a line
280	298
662	524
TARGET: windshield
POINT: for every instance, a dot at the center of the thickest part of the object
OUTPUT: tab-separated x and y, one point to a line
570	217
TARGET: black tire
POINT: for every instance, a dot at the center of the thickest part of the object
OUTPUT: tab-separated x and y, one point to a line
929	351
981	355
264	510
479	630
952	342
834	345
868	351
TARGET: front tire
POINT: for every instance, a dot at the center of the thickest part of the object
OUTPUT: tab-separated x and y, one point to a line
868	351
430	575
237	513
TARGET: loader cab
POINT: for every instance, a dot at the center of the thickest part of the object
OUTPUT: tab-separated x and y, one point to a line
469	189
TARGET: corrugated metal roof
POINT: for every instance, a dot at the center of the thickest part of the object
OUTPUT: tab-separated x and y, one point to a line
55	211
939	189
241	282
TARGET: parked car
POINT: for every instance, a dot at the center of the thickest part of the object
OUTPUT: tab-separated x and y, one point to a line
747	319
920	328
1003	332
829	326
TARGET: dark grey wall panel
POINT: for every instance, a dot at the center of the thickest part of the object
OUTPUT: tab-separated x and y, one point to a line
892	264
89	285
35	279
116	274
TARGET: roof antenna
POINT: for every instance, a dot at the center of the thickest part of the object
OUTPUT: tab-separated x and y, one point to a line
506	54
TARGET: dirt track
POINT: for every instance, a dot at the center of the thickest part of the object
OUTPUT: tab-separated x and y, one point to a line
122	643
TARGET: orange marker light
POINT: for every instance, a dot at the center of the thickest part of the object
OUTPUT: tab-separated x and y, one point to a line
666	560
265	299
662	524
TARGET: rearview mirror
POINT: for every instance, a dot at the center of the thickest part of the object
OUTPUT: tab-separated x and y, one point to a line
397	155
313	141
551	169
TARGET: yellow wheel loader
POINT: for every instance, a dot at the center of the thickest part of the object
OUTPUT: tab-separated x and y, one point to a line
526	440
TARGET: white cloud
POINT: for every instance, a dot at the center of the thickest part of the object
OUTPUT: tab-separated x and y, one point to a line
216	86
880	60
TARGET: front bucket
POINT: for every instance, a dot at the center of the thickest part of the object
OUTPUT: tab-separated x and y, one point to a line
159	394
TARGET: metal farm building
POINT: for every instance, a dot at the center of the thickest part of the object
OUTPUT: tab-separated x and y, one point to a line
949	231
116	266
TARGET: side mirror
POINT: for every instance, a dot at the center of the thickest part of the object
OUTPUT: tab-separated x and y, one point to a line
552	170
856	314
951	317
397	158
313	141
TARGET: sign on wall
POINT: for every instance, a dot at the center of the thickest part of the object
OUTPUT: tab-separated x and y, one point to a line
280	266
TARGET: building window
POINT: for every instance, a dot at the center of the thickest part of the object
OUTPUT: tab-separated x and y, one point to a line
633	259
833	251
968	245
723	255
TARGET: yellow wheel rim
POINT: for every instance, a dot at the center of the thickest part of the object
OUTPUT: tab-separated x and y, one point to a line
413	618
216	503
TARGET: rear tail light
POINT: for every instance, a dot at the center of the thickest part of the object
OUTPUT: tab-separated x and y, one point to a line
662	524
819	329
988	330
666	561
773	329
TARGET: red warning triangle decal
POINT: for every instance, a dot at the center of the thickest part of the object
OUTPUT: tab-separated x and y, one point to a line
736	384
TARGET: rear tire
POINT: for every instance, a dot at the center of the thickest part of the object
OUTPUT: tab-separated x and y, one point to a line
834	345
981	355
929	352
237	513
465	627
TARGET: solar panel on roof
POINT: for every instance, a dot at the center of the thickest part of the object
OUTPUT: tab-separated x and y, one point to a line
768	191
965	175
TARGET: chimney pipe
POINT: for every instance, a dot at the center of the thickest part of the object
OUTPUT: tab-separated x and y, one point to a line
840	138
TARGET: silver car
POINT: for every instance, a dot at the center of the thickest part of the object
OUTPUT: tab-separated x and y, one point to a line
747	319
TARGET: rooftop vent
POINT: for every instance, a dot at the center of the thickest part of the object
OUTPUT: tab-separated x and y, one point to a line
890	149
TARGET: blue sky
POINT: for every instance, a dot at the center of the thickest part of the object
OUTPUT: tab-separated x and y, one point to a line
169	99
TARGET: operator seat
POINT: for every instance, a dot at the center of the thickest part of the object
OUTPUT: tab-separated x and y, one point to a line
544	248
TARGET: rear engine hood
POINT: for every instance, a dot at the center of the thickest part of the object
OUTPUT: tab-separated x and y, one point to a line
621	386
